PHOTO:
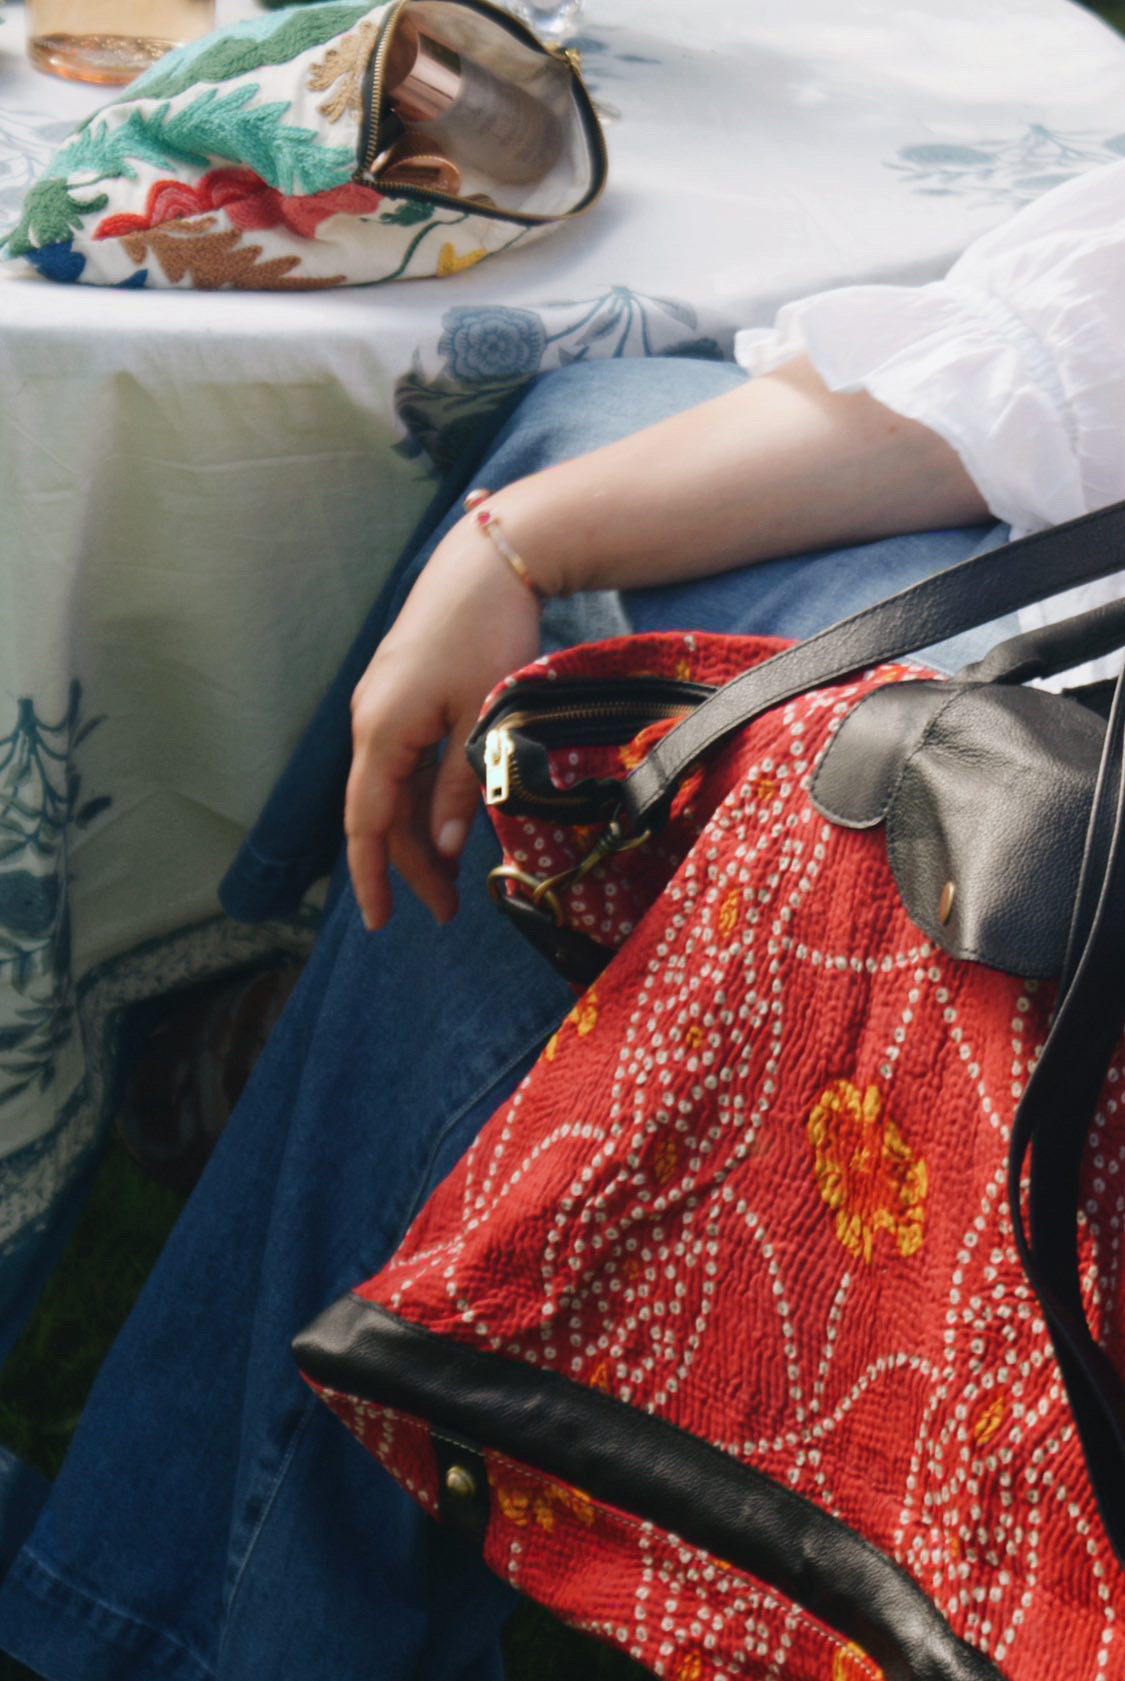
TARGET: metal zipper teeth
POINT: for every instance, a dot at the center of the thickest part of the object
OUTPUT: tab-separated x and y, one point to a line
375	94
518	789
513	27
657	696
653	711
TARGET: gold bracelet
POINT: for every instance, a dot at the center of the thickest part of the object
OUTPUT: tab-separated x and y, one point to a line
488	523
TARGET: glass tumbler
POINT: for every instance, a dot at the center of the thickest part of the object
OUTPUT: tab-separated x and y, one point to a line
110	41
552	20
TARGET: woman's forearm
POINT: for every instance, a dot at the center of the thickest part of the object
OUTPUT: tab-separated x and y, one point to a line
778	466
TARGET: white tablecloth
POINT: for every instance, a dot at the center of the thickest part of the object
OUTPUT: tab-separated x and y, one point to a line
199	493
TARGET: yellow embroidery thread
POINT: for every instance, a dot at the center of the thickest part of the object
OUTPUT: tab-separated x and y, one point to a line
866	1171
450	263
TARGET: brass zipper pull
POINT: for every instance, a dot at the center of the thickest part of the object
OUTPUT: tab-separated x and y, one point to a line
568	55
499	749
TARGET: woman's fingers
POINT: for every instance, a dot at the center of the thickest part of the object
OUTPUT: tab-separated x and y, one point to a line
367	866
394	788
388	798
412	852
456	794
404	842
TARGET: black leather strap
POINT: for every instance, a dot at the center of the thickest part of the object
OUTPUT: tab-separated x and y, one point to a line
649	1468
953	601
1053	1121
1056	647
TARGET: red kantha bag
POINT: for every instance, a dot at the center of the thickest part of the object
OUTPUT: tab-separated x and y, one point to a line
743	1337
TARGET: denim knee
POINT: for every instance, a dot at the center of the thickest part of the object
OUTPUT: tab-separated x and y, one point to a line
581	407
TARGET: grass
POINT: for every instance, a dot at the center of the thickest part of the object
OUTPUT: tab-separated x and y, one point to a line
45	1381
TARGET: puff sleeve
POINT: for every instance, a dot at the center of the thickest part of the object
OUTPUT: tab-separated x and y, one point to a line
1016	358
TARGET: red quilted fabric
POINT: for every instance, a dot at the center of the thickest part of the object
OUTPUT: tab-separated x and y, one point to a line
756	1185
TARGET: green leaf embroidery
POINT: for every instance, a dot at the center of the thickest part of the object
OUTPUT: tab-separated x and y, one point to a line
233	54
211	128
407	212
50	216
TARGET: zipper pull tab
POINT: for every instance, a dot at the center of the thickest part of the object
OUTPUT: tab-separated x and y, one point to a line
499	750
568	55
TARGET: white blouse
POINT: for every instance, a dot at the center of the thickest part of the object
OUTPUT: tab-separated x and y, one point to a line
1016	358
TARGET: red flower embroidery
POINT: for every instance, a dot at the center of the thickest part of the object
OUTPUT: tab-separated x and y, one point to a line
249	203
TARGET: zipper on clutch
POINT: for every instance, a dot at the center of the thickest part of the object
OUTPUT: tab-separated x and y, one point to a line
373	91
499	751
375	79
501	757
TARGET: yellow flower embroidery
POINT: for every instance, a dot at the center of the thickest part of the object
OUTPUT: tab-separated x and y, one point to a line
665	1158
523	1506
685	671
850	1664
515	1503
632	752
866	1171
600	1379
583	1018
767	788
988	1421
450	263
729	912
693	1037
689	1667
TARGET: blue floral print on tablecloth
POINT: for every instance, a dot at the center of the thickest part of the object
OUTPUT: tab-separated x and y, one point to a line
1017	169
488	354
27	144
492	343
40	801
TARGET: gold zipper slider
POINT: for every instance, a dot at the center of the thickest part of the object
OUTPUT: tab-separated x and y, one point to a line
569	55
499	749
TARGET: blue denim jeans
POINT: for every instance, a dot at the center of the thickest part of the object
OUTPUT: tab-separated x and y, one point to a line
213	1520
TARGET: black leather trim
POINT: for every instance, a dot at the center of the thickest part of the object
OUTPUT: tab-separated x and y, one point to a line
861	766
979	589
578	958
463	1497
1053	1122
985	787
650	1468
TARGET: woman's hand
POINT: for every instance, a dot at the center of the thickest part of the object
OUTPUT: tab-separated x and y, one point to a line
467	622
780	465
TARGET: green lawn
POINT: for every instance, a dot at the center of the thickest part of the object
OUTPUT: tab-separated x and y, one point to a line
44	1384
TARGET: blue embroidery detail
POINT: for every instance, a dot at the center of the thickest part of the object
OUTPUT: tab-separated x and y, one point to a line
135	281
1017	169
489	354
58	262
495	343
40	801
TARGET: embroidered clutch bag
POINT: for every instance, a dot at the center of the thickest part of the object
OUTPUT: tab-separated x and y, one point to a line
267	156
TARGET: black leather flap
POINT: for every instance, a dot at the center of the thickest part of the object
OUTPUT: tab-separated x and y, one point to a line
986	793
859	773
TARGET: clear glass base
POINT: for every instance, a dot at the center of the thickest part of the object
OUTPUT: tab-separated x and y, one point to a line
552	20
110	60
